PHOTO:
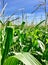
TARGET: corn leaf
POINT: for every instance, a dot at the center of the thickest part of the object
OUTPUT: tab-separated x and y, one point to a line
26	58
9	38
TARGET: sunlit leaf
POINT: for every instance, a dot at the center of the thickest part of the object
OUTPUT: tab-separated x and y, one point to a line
26	58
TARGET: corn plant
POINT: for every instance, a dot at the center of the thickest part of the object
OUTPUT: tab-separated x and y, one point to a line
23	45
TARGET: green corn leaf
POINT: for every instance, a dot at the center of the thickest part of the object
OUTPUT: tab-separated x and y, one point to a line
11	61
26	58
39	23
9	38
42	46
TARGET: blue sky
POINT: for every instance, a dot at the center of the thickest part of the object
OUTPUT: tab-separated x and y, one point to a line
28	5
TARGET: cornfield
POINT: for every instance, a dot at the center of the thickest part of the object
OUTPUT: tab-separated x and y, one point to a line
23	44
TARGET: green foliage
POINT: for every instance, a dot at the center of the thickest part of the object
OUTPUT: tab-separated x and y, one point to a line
24	45
26	58
9	38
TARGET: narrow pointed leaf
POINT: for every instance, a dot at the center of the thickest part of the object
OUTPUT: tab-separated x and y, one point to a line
9	38
26	58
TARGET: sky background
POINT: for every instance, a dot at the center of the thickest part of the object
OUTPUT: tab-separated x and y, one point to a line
28	5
